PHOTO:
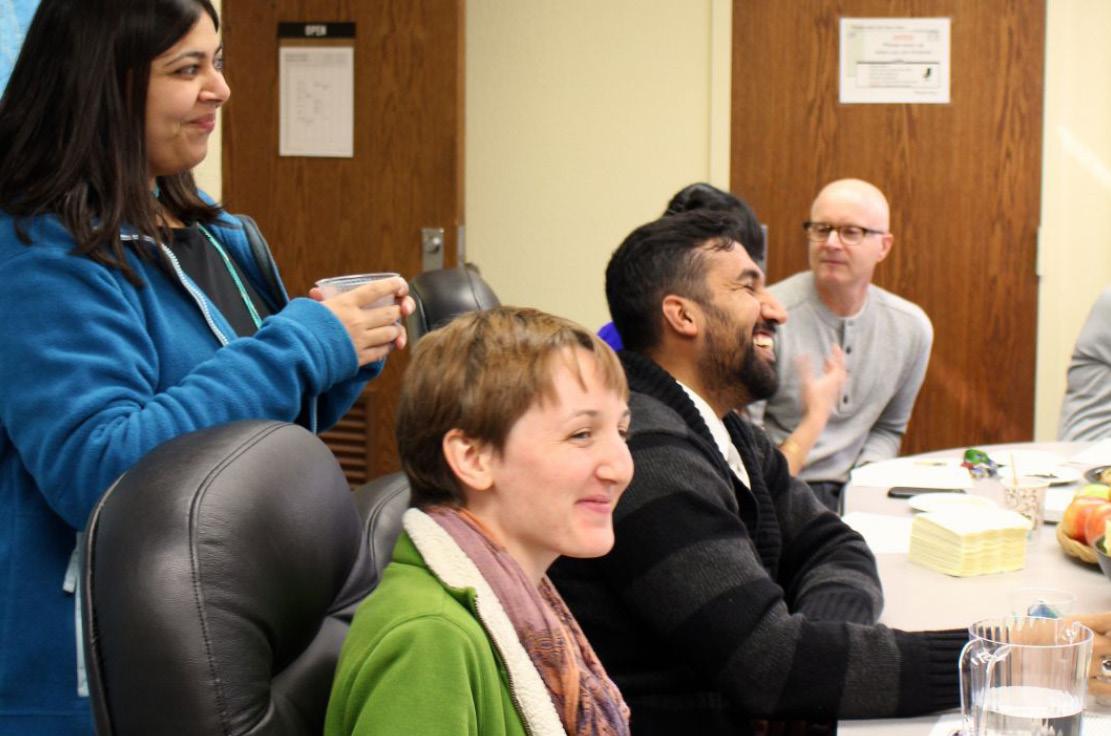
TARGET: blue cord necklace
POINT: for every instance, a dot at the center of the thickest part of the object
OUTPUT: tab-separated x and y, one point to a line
234	277
227	264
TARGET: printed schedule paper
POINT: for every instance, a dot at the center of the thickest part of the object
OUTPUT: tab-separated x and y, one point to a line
317	89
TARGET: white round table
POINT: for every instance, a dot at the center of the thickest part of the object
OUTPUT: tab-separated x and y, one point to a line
918	598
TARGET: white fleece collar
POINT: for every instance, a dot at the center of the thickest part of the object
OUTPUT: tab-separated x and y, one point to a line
454	568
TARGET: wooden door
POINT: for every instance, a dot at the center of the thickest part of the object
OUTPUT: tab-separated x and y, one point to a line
329	216
963	179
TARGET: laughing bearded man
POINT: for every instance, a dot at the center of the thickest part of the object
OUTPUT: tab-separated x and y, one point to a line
732	595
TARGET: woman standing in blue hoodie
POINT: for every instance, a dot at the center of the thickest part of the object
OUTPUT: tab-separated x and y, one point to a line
134	309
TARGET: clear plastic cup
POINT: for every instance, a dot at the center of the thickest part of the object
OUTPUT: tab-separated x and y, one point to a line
1042	602
337	285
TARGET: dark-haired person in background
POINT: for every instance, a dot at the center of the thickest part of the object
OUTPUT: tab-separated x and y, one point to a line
134	309
731	593
818	393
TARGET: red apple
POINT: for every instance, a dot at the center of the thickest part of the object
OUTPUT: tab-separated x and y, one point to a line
1075	518
1094	526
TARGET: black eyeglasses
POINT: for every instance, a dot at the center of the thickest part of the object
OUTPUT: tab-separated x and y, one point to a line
818	232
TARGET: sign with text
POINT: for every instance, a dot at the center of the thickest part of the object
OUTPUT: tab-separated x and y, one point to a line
316	29
895	60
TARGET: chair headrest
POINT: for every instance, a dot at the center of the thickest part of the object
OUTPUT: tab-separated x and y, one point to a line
221	575
444	294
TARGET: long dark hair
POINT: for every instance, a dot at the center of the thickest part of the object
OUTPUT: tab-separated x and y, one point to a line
73	121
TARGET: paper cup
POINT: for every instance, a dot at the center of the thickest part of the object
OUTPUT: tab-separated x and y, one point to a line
1027	497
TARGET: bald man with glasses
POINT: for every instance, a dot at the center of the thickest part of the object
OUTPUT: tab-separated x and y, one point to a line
835	309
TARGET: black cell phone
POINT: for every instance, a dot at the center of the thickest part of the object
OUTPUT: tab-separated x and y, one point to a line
907	491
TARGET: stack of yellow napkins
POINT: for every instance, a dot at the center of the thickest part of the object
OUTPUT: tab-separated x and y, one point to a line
969	541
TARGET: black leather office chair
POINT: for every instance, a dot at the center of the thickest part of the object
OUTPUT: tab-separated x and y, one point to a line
444	294
221	576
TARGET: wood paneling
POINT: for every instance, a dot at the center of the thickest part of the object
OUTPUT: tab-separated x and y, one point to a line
963	180
329	216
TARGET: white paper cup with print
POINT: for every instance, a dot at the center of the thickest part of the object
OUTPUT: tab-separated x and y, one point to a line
337	285
1026	496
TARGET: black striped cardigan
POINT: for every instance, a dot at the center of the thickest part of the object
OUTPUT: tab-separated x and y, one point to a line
720	603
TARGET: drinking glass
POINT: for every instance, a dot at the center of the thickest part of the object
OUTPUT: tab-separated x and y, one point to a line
1042	602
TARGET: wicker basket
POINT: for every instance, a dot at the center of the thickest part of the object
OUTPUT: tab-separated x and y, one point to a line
1076	549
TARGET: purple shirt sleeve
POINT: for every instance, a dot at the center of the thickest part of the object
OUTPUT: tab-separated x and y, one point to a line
609	335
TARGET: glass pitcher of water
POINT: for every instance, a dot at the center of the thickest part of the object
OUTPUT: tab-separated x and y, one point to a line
1023	676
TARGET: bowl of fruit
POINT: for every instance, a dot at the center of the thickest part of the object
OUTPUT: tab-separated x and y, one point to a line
1084	521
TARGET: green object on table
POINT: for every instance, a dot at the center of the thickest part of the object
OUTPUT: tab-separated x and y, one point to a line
979	464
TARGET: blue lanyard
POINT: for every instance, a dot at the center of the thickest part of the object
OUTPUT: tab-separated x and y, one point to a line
234	277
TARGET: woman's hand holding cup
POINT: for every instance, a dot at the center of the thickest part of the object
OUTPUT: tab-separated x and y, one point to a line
372	314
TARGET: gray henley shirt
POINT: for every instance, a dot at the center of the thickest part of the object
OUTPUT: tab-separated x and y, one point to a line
887	348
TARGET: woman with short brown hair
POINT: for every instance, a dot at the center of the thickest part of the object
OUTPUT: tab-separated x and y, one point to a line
511	428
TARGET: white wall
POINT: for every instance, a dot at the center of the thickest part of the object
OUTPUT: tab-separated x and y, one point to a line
582	119
1075	241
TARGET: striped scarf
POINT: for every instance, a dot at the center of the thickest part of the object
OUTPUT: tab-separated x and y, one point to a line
588	702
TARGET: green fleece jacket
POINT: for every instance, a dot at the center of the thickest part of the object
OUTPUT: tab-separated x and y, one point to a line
429	652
